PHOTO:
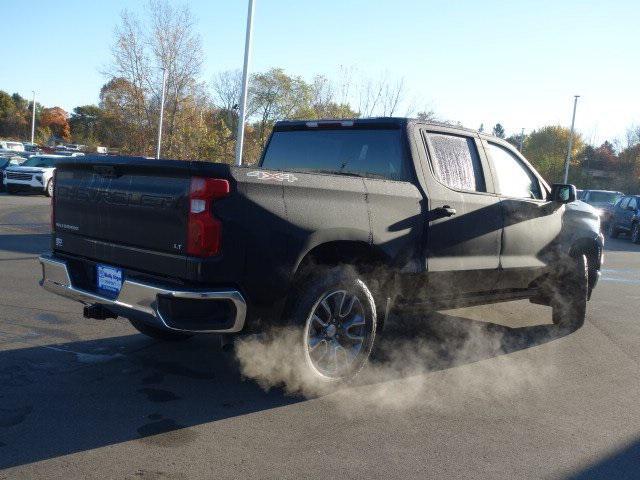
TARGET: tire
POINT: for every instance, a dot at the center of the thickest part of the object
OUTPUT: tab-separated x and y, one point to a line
336	316
569	296
612	231
158	333
11	190
635	233
49	190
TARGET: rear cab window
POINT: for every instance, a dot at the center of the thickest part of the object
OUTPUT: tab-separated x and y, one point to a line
455	161
376	153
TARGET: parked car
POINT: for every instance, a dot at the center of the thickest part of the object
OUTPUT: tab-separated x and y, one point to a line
10	146
626	218
32	148
4	163
342	221
603	201
33	175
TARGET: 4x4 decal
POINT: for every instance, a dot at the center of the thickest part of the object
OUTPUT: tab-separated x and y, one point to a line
280	177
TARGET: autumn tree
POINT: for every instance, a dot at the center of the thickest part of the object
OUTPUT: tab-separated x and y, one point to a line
15	116
87	125
57	120
124	128
546	149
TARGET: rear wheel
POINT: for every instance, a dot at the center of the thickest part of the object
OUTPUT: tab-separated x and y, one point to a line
569	295
336	313
635	233
158	333
612	231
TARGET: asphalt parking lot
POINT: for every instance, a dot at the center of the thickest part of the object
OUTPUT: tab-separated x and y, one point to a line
94	399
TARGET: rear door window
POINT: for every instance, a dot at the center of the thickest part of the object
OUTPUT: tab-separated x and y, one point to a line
514	178
455	161
368	152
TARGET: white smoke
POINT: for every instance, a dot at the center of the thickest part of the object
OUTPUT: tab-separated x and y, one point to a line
418	362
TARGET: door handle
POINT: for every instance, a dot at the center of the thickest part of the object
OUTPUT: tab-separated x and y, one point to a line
444	211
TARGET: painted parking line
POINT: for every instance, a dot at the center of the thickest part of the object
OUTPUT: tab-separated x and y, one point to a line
621	275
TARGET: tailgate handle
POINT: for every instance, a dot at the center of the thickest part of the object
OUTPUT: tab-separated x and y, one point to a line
108	171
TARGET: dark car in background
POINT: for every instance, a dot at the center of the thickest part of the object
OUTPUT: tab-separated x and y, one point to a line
625	218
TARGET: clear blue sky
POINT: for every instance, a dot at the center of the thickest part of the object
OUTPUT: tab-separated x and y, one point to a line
514	62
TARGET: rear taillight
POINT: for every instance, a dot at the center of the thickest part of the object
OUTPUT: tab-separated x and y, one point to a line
204	231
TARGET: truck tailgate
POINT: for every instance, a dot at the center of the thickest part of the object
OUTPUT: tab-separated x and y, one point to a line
129	212
140	209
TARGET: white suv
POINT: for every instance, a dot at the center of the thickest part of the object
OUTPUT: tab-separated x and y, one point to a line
9	146
36	174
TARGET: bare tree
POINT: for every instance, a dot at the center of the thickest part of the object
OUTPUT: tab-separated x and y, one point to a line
227	87
369	97
131	63
380	97
177	47
140	51
392	95
632	136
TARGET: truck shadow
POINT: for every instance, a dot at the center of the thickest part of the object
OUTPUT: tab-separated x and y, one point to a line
447	341
621	464
70	397
33	243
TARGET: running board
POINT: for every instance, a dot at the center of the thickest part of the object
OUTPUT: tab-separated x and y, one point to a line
472	300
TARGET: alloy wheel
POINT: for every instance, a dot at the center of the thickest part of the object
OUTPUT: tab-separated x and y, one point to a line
336	334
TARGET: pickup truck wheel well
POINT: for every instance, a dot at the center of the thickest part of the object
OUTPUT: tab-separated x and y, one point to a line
365	259
342	252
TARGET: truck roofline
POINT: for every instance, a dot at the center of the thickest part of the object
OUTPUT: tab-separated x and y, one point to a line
369	122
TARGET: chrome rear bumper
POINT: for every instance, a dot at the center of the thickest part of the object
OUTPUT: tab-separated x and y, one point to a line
137	300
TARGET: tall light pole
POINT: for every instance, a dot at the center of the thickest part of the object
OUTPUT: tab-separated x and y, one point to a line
164	87
573	121
245	84
33	118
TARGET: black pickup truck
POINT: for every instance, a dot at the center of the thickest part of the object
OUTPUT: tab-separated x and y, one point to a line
340	222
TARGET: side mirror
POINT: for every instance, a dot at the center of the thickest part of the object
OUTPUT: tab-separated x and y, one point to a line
563	193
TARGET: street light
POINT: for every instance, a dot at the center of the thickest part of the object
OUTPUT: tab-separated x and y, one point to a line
164	87
33	118
573	121
245	84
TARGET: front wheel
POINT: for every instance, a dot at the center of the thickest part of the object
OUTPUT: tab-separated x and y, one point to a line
635	233
49	190
569	295
336	313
